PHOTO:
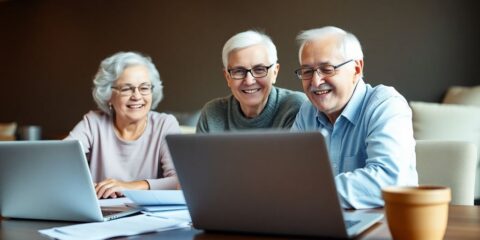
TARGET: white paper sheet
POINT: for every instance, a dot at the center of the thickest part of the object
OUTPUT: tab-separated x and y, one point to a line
163	208
121	227
155	197
180	215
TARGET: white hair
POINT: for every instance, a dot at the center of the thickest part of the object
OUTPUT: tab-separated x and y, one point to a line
348	44
110	70
247	39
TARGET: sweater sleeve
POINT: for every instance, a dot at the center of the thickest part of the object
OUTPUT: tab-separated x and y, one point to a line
213	116
83	133
291	101
169	179
202	124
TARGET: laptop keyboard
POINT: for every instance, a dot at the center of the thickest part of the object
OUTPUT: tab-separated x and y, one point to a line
106	213
351	223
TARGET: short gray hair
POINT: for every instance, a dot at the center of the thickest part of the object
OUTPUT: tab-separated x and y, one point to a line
247	39
110	70
349	46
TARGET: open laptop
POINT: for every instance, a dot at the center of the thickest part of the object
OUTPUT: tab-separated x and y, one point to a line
49	180
263	182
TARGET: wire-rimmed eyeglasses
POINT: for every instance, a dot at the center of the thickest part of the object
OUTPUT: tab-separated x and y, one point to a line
129	90
327	70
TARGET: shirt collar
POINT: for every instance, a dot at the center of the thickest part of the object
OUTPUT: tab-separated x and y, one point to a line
354	105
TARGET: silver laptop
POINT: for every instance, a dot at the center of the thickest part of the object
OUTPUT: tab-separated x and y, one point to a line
49	180
263	182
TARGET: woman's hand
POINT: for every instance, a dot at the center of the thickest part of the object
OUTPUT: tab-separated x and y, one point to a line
111	188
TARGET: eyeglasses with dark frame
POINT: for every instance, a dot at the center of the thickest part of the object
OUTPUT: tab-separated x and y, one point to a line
129	90
327	70
241	73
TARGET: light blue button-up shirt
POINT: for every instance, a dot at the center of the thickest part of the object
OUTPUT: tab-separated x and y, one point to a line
370	145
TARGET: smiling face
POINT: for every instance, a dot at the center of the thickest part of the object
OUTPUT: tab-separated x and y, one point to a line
131	108
252	93
331	94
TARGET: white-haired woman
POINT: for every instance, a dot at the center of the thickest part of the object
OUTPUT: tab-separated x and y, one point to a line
125	141
251	69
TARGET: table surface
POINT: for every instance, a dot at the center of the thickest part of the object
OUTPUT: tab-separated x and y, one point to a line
463	223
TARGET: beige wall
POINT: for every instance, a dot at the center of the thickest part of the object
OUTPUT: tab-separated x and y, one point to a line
50	50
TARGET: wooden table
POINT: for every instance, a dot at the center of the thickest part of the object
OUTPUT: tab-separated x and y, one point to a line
463	223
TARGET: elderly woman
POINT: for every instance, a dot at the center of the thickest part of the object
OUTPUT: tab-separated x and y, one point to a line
251	69
125	141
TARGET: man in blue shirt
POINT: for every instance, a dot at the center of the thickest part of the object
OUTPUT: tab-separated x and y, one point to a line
370	139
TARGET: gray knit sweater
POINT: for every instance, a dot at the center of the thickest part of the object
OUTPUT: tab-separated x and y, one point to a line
225	114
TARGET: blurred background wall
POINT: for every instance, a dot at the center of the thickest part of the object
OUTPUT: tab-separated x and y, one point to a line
50	50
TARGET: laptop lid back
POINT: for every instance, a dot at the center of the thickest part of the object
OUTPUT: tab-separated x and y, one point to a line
262	182
46	180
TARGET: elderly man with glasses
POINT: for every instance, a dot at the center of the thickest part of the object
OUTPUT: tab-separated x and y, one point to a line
370	133
251	69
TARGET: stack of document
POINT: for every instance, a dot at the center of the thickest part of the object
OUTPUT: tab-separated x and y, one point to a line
162	210
127	226
157	200
167	204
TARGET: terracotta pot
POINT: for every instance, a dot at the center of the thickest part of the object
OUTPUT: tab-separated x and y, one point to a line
417	212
